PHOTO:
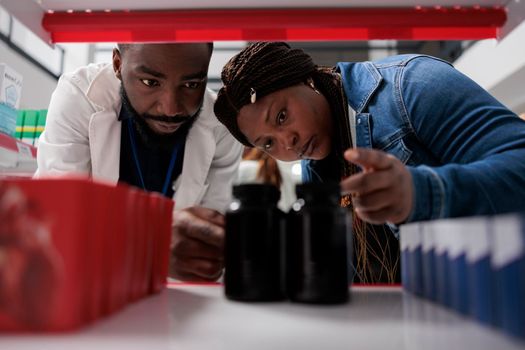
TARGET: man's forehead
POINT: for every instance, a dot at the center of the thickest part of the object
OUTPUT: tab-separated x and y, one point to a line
190	62
198	48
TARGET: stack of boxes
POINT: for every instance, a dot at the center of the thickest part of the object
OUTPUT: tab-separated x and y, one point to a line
475	266
75	251
10	92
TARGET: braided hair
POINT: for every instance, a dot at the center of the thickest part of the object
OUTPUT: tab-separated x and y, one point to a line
267	67
263	67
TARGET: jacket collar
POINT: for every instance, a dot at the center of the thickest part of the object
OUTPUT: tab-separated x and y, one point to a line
198	156
360	81
104	126
104	89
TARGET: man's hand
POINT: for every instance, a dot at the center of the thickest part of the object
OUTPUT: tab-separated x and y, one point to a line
197	244
383	191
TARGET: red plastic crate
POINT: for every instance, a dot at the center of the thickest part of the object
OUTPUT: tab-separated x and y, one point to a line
74	250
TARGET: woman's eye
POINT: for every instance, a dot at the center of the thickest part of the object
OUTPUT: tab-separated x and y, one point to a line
193	84
149	82
268	145
281	117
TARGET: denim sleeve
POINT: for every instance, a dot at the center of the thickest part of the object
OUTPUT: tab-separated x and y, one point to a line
479	143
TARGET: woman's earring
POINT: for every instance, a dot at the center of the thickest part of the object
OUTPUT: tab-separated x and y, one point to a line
311	83
253	95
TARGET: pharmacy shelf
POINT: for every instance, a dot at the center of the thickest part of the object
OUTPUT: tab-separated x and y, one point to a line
215	20
17	159
192	317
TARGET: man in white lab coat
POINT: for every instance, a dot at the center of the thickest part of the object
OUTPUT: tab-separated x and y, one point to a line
147	120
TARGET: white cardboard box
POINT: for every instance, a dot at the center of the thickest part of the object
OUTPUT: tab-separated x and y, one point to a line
10	86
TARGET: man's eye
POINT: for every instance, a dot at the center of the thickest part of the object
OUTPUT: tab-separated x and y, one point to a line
193	84
281	117
149	82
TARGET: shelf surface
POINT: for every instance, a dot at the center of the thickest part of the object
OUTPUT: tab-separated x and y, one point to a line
200	317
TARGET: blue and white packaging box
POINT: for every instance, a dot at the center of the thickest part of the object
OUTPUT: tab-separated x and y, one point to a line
482	302
508	264
404	233
10	86
441	242
10	92
417	261
428	266
457	268
411	240
8	118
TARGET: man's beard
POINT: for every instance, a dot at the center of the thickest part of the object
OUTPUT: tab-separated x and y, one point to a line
148	136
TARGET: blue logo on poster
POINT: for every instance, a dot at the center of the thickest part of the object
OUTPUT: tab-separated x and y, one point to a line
11	96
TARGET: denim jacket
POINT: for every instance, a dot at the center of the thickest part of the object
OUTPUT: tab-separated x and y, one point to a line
464	149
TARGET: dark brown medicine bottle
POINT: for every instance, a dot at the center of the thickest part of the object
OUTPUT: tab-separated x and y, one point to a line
254	266
318	234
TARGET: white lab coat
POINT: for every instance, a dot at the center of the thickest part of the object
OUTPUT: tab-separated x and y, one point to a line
82	136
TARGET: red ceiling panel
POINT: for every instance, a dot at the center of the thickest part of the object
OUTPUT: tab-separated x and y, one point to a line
276	24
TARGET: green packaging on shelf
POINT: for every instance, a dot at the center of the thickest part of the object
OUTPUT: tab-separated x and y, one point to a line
30	123
41	122
40	125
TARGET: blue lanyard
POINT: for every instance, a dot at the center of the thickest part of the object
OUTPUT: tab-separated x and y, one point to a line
137	164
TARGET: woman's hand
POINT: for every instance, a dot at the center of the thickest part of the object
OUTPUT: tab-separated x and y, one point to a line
383	191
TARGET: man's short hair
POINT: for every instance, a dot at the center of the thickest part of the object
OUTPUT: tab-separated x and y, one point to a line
123	47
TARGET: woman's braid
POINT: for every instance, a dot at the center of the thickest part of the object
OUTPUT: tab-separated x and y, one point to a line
264	67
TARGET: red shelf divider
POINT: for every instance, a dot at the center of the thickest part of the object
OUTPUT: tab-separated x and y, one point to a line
417	23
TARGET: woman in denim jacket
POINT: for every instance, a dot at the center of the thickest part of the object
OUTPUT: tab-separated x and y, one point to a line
409	137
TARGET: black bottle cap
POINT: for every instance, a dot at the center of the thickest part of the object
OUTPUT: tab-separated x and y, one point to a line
318	189
259	192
